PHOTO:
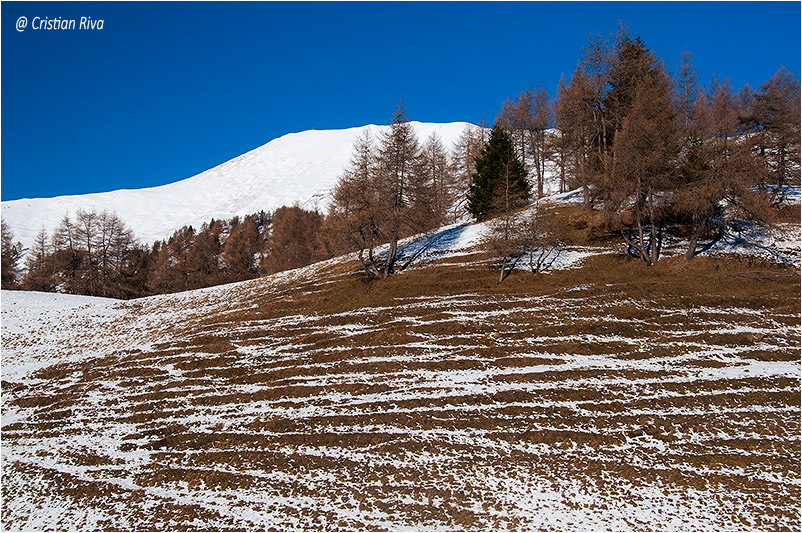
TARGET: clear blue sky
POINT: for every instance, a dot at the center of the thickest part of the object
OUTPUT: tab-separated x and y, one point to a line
167	90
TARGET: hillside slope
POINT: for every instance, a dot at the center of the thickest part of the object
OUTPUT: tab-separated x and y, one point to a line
605	396
298	167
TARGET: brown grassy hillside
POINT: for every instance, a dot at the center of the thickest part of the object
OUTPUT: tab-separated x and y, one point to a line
610	396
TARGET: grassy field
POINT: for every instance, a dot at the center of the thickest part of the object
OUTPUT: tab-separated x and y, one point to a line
608	396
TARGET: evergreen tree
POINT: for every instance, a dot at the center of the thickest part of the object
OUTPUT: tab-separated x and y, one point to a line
496	166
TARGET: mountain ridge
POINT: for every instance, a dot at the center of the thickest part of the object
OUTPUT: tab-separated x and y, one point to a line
300	167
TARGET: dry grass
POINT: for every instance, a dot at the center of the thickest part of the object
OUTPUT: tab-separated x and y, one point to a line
333	403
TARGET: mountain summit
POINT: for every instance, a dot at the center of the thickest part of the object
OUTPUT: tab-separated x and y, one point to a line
297	168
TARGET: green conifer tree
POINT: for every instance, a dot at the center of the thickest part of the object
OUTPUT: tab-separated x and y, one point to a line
496	164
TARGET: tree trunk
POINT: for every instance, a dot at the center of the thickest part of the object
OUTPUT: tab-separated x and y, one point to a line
542	161
641	247
690	253
362	262
388	268
652	236
503	268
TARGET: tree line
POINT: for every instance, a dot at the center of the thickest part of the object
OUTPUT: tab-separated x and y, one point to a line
394	189
96	254
650	151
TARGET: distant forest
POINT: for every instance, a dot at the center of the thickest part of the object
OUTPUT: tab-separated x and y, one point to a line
649	150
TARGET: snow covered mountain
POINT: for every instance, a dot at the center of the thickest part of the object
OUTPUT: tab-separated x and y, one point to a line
296	168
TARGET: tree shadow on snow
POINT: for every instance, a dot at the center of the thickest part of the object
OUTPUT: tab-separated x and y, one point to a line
428	248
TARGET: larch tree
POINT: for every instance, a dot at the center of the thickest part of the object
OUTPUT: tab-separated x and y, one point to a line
745	109
39	275
178	247
722	116
631	64
575	118
435	166
11	253
596	64
559	142
719	169
526	119
537	119
466	150
67	256
644	154
777	109
293	239
240	253
357	217
405	198
686	83
203	256
697	200
511	117
93	255
134	276
113	244
540	236
86	228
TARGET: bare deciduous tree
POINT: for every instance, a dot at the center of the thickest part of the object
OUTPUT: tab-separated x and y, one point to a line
777	109
10	257
466	150
91	254
39	275
541	237
642	165
574	117
436	168
356	212
686	83
292	242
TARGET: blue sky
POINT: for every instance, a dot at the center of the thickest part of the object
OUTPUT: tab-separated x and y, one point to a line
167	90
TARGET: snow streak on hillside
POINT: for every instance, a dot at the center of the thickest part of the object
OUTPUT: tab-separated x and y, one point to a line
296	168
584	400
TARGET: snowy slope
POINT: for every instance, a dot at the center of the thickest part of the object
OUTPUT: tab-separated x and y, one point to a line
25	313
298	167
253	406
